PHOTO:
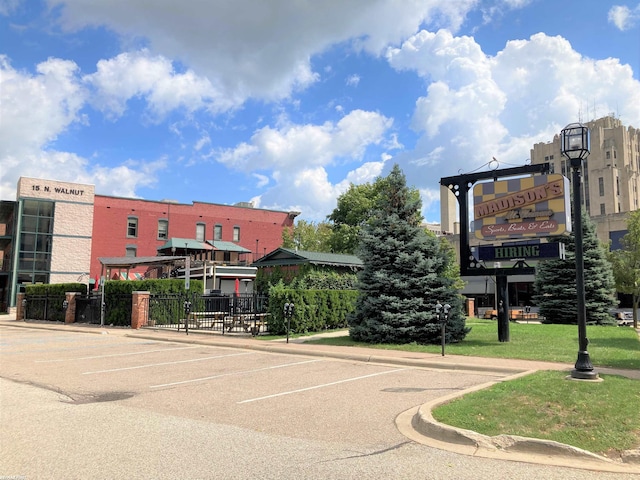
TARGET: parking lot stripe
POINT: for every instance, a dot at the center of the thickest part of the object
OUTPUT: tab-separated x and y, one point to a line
202	379
168	363
115	354
266	397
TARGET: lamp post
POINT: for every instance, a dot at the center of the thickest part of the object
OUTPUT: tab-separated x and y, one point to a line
288	313
442	312
575	146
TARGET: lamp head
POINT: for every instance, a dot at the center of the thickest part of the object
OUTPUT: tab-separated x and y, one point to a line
575	142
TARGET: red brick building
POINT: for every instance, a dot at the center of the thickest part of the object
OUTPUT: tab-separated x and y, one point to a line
56	232
134	227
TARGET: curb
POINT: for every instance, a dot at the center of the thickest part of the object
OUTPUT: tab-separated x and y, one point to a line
419	425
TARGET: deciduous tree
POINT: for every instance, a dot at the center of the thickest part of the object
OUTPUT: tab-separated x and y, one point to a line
626	263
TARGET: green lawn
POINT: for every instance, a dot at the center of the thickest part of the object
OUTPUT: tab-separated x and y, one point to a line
617	347
601	417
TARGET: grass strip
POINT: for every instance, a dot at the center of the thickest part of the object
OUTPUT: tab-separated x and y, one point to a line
617	347
601	417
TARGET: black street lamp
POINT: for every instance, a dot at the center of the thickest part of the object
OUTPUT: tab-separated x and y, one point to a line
442	312
288	313
576	146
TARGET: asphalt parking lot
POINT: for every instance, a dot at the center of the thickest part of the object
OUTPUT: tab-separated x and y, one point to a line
90	405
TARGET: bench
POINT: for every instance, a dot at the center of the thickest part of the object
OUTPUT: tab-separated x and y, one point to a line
249	322
515	314
624	319
196	318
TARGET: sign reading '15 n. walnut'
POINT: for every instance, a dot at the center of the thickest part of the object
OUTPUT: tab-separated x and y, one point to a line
535	206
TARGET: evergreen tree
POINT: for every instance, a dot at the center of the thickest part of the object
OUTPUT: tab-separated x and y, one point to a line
404	275
555	281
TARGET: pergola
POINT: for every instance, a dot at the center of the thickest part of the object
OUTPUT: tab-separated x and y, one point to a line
128	263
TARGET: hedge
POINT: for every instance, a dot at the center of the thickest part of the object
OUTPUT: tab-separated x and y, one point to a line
315	310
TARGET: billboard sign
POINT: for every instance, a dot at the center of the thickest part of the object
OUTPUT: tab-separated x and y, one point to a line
522	208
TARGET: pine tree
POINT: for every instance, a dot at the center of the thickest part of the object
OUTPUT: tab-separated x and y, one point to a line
404	275
555	282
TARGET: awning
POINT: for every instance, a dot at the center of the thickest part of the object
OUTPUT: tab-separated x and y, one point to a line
131	276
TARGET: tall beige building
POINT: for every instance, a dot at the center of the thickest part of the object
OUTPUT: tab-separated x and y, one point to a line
611	178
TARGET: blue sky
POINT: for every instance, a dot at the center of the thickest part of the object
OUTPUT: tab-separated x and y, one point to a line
286	103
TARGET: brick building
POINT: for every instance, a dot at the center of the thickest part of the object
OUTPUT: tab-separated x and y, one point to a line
56	232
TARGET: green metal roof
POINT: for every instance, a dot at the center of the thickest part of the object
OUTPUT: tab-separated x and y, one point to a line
184	244
227	246
285	256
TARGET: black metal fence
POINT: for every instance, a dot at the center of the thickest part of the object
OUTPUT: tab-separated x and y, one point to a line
88	308
222	313
245	313
45	307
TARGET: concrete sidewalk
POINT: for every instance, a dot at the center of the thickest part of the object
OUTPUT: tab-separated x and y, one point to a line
417	424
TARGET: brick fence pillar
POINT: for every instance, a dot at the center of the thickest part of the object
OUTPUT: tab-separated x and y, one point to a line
139	309
70	312
20	306
471	307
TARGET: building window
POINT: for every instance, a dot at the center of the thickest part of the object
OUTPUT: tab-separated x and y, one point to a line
602	209
608	155
200	227
132	227
131	251
236	234
617	185
550	157
163	229
217	232
36	240
601	186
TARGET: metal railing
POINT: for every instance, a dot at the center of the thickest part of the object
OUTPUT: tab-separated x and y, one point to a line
45	307
218	313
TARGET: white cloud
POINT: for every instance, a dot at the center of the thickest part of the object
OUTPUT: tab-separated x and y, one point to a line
477	106
298	146
8	6
299	157
138	74
36	110
353	80
260	49
623	17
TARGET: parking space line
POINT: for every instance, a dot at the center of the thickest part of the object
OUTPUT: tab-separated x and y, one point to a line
115	354
266	397
202	379
67	349
168	363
